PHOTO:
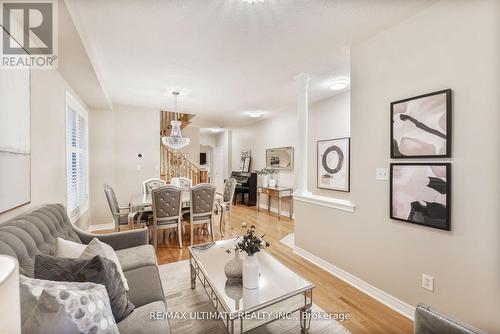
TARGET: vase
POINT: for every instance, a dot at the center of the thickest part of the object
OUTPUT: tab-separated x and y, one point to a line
234	268
265	180
251	272
272	182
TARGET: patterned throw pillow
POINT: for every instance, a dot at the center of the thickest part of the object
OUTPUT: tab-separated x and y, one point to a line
65	307
97	247
97	270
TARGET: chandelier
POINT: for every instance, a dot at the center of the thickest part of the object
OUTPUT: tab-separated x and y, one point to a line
175	140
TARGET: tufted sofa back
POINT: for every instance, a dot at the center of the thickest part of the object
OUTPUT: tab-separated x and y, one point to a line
33	233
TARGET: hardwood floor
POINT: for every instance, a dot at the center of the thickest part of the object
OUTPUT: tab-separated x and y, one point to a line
331	294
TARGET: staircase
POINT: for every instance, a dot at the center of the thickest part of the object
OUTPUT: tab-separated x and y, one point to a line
176	164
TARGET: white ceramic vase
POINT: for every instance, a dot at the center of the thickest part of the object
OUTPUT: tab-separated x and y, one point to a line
251	270
265	180
272	183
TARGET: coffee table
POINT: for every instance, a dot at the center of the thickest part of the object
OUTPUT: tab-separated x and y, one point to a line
281	292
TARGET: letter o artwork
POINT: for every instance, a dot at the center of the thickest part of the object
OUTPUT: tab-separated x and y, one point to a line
339	163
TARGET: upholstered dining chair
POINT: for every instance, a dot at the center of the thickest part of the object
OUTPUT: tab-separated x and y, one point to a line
166	211
201	209
227	203
149	185
181	182
120	214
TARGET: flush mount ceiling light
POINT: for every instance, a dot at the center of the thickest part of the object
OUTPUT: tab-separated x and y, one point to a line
338	84
175	140
254	114
252	1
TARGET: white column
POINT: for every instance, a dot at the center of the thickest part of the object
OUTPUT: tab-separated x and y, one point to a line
302	157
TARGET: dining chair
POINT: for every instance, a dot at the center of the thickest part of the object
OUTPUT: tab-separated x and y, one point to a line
227	203
149	185
166	211
181	182
120	214
201	208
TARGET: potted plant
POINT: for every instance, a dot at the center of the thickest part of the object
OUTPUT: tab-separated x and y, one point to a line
265	173
251	244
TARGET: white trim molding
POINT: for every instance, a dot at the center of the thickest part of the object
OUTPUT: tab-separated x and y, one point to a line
284	213
390	301
328	202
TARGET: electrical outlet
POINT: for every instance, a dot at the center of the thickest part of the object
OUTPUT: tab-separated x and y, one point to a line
428	282
382	174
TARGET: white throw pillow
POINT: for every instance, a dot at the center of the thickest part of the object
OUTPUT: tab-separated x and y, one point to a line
69	249
96	247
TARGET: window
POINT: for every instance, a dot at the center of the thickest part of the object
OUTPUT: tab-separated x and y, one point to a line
76	158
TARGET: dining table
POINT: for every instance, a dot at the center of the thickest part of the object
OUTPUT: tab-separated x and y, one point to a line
143	203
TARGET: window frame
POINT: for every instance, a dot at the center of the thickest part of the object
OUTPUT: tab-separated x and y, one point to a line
81	207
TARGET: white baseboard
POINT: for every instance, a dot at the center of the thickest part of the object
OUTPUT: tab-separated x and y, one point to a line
284	213
388	300
98	227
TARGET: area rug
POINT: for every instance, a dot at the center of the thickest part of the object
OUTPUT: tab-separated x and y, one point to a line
180	298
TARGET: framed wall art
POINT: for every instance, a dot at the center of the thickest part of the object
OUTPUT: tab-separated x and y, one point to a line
420	193
280	158
333	158
15	145
421	126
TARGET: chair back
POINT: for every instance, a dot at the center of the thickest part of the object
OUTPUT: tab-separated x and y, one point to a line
229	187
166	204
149	185
113	203
181	182
202	200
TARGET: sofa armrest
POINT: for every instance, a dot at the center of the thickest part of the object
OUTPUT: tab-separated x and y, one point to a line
117	240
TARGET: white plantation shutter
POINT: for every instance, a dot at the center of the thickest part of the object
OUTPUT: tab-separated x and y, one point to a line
76	157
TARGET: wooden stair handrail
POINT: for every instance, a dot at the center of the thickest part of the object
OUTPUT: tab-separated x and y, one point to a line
176	164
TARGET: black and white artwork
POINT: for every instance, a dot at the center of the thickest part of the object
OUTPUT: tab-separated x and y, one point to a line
15	149
280	158
334	164
420	194
421	126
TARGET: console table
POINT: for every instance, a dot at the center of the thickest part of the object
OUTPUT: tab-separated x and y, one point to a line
279	193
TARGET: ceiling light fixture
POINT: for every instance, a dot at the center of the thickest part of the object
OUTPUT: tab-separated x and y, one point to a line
216	130
254	114
338	84
252	1
175	140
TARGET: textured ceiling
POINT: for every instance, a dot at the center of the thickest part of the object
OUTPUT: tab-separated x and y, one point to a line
227	55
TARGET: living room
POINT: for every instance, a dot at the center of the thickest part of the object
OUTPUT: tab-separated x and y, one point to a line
303	129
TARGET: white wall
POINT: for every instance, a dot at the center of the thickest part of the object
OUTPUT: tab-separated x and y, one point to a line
116	139
192	151
48	142
452	44
328	119
208	139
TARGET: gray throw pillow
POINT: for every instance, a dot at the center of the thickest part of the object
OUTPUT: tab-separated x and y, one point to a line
97	270
65	307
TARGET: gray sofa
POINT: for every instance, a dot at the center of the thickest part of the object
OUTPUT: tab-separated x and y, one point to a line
35	232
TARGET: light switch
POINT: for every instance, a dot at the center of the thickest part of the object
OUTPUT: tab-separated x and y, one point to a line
382	174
